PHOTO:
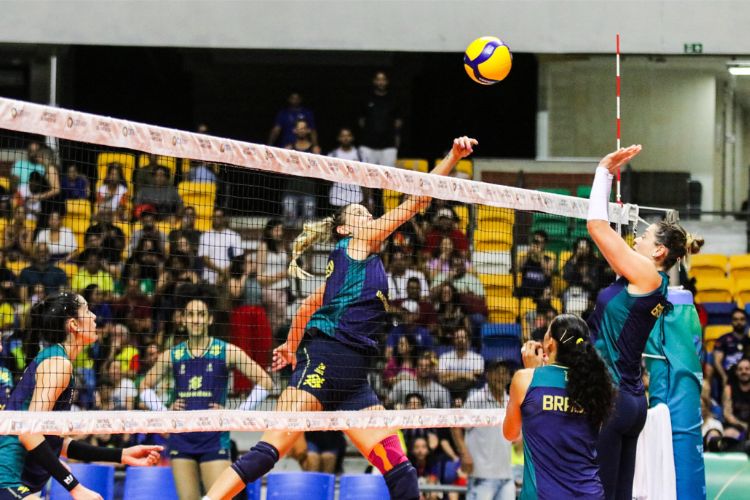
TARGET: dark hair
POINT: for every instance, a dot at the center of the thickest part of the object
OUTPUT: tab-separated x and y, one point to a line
37	183
267	237
164	170
414	395
49	316
116	166
677	241
589	382
237	266
88	292
188	292
738	310
542	233
412	349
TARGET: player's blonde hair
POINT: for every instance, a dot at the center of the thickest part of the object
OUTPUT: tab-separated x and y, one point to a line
320	231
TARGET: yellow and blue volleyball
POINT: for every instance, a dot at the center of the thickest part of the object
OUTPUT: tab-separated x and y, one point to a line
487	60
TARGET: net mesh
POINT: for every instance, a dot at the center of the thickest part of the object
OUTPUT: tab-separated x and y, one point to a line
144	221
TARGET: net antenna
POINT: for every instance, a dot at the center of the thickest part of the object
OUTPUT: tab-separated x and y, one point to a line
618	120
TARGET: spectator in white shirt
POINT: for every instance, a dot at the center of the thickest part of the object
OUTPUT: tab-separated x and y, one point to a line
217	247
60	241
460	368
434	394
399	274
342	194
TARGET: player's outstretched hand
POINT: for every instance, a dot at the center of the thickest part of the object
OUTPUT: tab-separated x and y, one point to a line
142	455
80	492
283	356
532	353
616	159
463	146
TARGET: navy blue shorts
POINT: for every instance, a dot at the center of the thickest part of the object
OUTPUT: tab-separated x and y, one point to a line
210	456
15	493
334	373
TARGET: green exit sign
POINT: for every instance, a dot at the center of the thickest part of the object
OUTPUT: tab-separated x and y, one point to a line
692	48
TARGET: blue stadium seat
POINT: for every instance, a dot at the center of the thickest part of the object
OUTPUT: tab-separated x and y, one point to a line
510	330
300	486
362	487
98	478
147	483
450	471
253	489
719	313
502	349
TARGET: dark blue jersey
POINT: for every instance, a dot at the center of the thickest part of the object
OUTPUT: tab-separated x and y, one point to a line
15	467
200	381
355	300
559	444
620	326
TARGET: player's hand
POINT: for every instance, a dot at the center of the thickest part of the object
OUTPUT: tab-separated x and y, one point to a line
467	463
80	492
178	405
142	455
616	159
283	356
463	146
533	355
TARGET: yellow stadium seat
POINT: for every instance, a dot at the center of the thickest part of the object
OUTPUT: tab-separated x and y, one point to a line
391	199
500	285
557	304
77	219
502	309
16	266
169	162
742	292
462	212
127	161
713	290
416	164
739	267
712	334
485	213
464	168
81	208
69	268
563	258
5	183
202	197
708	265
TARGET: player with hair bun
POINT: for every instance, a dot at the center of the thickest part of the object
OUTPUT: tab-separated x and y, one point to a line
624	316
27	461
332	338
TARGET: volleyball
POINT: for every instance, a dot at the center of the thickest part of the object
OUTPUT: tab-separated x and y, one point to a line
487	60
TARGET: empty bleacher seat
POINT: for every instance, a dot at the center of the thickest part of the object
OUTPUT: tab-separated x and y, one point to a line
742	292
708	266
739	267
712	334
511	330
502	309
486	213
500	285
491	262
713	289
719	313
147	483
300	486
362	487
502	349
254	489
415	164
96	477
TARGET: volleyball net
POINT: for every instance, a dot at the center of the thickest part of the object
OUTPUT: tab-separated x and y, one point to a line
144	221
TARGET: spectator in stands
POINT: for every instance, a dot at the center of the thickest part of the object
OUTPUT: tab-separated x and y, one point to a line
217	247
244	287
92	272
50	194
401	364
201	172
41	271
60	241
176	271
146	264
74	185
28	194
542	319
22	169
108	239
134	309
450	315
737	403
399	273
427	465
273	260
98	306
148	230
122	372
144	176
415	401
458	275
407	325
187	229
732	347
485	454
441	259
444	226
19	235
300	193
324	449
161	195
113	194
342	194
434	394
7	277
282	132
414	292
585	274
380	124
460	368
536	268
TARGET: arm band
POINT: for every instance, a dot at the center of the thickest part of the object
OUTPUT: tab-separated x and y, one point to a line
80	450
257	396
599	198
151	400
44	456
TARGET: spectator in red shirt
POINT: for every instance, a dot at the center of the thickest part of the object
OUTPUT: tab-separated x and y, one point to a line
444	226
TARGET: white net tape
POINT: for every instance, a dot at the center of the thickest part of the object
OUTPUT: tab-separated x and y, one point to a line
114	422
73	125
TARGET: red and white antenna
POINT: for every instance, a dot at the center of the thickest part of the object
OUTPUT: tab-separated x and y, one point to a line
617	79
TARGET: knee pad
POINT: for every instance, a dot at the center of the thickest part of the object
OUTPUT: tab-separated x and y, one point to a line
255	463
387	454
402	482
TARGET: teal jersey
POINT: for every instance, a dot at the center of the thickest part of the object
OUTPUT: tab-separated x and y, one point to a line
620	326
15	469
6	386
